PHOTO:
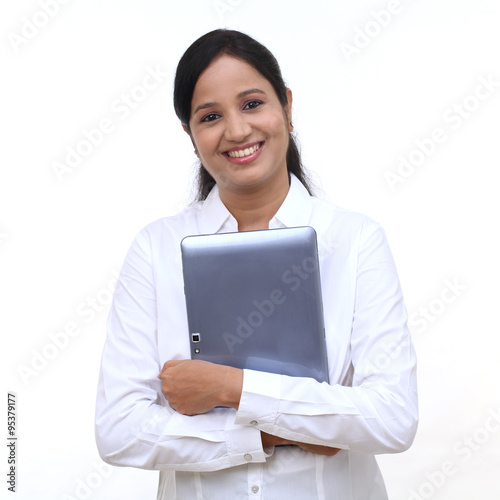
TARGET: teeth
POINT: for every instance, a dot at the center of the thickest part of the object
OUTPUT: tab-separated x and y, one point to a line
243	152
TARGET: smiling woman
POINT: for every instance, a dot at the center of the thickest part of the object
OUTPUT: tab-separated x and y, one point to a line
215	431
241	133
260	64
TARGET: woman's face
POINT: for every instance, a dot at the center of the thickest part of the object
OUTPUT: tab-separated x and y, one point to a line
238	126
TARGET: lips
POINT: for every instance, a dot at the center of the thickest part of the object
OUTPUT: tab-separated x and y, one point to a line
245	151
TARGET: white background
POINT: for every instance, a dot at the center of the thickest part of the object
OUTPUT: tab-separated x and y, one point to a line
61	240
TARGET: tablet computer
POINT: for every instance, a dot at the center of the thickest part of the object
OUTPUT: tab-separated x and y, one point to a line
253	301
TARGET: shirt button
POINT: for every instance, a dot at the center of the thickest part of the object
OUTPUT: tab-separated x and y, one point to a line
254	422
247	457
255	489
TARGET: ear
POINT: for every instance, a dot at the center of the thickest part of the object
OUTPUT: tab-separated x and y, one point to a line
191	137
288	109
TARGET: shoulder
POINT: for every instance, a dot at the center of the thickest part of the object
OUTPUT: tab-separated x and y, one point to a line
329	215
342	234
169	230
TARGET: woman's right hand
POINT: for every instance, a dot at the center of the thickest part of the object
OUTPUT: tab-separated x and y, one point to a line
270	440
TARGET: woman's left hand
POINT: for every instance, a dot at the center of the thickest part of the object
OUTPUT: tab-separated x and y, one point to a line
192	387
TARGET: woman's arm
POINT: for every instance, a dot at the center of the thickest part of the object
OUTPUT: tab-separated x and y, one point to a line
375	413
375	409
194	387
135	425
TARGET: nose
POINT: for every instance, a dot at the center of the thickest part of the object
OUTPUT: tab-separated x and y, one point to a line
237	128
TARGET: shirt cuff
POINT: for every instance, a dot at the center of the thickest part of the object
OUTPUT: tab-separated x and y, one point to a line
244	444
259	402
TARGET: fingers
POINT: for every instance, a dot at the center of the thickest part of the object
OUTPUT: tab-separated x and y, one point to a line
170	364
329	452
271	440
319	450
195	386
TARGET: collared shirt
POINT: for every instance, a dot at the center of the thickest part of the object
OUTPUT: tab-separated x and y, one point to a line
369	406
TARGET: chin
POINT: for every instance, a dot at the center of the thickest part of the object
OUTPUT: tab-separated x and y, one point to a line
251	179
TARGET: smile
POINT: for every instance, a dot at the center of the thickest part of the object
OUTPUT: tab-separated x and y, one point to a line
243	153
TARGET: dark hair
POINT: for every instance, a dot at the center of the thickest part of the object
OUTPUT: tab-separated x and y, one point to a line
199	56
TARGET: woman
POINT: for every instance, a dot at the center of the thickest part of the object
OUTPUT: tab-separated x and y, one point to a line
218	432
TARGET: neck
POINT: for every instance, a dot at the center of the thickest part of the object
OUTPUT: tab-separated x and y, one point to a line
254	208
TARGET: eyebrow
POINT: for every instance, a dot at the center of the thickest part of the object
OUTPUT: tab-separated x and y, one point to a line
239	96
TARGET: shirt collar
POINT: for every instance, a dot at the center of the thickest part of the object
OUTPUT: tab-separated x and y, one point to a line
295	210
214	213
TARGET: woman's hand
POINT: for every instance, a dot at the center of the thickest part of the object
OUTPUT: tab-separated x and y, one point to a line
316	448
270	440
192	387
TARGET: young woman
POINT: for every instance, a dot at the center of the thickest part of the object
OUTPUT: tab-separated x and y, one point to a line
217	432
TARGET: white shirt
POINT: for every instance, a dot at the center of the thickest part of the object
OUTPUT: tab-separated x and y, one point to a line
370	406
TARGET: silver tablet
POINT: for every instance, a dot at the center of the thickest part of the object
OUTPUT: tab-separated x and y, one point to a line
254	301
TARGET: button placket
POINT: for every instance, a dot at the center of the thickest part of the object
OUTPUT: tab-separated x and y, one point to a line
254	481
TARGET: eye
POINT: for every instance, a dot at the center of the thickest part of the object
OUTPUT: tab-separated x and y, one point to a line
210	117
252	104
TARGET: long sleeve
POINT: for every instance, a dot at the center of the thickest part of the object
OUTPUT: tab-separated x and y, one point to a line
374	408
134	424
368	407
